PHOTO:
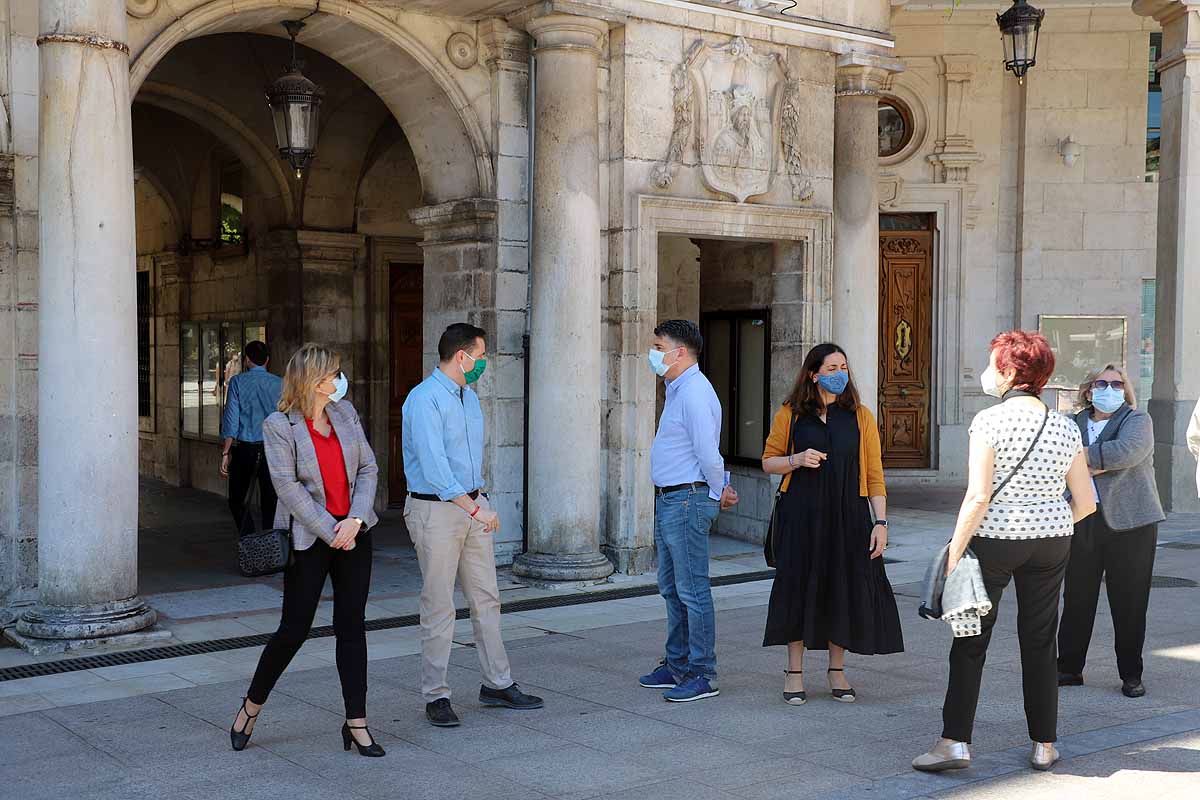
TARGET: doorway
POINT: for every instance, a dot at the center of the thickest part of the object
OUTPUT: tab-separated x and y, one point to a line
405	316
906	339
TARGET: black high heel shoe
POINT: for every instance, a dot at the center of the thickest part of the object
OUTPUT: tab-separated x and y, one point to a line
844	695
794	698
372	750
239	739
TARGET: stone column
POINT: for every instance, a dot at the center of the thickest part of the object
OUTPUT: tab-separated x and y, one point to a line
856	215
564	395
87	342
1176	321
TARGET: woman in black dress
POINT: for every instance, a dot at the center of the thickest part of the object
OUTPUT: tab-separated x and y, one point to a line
830	590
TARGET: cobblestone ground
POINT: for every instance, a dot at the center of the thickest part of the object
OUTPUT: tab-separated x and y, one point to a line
164	733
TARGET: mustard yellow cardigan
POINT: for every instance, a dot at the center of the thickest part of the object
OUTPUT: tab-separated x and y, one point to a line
870	459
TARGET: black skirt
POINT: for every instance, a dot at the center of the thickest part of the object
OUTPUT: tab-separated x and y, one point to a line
827	587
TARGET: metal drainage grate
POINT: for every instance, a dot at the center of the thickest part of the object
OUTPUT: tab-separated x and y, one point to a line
324	631
1180	546
1166	582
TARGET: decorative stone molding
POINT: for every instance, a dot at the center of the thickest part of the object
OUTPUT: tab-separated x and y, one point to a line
504	47
744	109
954	153
470	220
863	74
330	249
462	50
567	32
141	9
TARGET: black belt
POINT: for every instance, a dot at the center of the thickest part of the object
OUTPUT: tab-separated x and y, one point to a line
433	498
661	490
240	443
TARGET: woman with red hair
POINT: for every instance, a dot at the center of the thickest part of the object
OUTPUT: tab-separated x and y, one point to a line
1023	458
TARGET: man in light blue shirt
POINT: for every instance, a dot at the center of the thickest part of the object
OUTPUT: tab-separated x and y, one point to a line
452	524
690	489
251	396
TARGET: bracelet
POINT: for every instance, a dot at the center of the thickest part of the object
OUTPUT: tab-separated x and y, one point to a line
791	463
476	511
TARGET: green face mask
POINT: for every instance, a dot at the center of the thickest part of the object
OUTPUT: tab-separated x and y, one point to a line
476	372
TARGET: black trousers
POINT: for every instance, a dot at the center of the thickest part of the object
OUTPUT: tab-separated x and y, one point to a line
350	573
1125	559
1037	567
242	459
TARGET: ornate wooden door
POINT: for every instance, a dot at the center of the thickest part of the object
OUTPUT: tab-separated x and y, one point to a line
905	339
405	319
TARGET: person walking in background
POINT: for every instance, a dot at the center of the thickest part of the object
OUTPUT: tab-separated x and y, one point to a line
251	396
689	491
325	473
453	525
1022	459
1117	544
831	590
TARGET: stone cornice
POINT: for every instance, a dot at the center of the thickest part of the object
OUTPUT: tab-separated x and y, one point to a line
469	220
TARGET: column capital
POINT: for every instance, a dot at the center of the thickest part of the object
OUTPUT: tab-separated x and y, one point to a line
469	220
505	47
330	246
557	31
864	74
1164	11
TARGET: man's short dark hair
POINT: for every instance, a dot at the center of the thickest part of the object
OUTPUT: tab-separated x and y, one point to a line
459	336
257	352
682	332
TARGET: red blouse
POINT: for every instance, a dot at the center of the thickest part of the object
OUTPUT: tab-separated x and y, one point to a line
333	470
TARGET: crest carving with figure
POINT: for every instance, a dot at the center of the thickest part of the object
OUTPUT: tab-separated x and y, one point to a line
743	107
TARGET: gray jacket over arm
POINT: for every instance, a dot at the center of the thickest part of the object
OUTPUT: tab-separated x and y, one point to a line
296	474
1125	450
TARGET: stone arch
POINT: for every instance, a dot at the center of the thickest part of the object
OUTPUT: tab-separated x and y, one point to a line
447	137
263	167
143	173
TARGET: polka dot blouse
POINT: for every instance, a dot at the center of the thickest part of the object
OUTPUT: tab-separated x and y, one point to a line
1032	505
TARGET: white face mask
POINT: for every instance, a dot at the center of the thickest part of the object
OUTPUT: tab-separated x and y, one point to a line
988	380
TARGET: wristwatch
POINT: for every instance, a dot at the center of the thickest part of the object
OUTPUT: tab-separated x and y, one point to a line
882	522
361	524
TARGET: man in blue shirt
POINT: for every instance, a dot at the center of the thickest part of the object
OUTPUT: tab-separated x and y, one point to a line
251	396
690	489
452	524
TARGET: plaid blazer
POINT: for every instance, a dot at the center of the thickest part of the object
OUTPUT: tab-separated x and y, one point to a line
297	476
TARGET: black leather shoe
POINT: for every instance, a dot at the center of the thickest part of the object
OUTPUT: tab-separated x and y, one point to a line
1133	688
512	697
372	750
1070	679
440	713
239	739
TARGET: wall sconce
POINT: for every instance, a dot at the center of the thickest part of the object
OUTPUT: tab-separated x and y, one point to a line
1070	151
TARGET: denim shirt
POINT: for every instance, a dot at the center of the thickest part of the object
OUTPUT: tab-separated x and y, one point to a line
252	397
442	438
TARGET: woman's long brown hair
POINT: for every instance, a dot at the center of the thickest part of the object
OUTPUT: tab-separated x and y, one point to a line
805	397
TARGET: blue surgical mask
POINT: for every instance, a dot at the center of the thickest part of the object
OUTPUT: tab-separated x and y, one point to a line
340	385
658	362
835	382
1108	400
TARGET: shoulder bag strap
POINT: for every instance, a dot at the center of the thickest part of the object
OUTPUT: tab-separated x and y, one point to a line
1029	450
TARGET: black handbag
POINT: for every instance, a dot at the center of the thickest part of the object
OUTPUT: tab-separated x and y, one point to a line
769	543
262	552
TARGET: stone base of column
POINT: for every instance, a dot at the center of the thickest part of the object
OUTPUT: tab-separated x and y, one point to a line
77	623
631	560
562	569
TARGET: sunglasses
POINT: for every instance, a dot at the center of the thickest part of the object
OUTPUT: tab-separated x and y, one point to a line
1105	384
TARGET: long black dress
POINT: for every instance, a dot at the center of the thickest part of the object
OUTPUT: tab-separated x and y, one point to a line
827	587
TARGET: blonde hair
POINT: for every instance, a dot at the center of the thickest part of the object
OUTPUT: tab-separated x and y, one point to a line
1085	388
307	368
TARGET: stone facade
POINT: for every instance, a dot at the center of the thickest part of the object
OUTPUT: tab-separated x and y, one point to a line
659	159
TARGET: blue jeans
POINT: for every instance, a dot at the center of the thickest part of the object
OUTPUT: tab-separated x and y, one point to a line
682	520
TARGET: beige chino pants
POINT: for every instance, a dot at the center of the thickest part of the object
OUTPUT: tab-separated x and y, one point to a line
448	543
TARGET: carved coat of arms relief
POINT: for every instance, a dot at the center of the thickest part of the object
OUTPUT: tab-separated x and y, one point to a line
743	109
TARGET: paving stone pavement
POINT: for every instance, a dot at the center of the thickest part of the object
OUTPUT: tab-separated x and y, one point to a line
159	729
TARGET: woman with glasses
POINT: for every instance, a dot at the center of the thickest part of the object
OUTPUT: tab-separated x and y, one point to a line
1118	543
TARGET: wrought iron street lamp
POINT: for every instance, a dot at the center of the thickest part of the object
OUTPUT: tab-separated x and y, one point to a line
295	106
1019	28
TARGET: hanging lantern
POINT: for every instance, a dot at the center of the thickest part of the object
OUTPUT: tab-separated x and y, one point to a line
295	107
1019	28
